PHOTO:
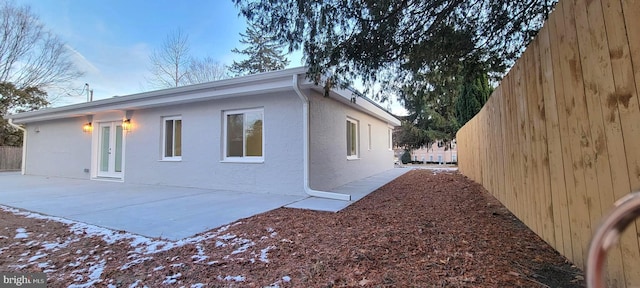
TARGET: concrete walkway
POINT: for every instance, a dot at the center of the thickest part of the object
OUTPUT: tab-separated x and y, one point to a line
357	189
160	211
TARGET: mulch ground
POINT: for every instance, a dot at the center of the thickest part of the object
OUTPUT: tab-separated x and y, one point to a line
424	229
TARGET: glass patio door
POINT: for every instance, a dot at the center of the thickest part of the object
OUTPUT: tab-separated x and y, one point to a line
110	153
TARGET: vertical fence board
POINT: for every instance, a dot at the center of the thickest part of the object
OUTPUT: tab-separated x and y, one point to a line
567	157
554	145
591	121
530	127
540	124
574	100
518	168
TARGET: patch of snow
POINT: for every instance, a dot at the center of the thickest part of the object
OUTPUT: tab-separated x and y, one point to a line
220	244
158	268
134	262
244	245
55	246
95	272
238	278
285	279
135	284
172	279
263	254
227	236
21	233
74	264
200	256
197	285
18	267
44	265
36	257
177	265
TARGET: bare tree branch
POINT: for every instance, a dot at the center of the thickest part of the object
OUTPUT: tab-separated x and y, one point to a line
170	62
205	70
31	56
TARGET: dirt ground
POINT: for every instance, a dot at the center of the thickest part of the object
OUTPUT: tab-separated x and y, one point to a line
425	229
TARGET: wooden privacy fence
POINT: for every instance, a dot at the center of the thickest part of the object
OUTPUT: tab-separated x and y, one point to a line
10	158
559	140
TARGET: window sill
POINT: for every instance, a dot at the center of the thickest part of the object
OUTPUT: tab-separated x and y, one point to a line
243	161
353	159
170	160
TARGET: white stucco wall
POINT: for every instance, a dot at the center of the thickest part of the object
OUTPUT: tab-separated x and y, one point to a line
58	148
328	145
202	150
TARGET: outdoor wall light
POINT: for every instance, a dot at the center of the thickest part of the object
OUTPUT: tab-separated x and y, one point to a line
87	127
126	125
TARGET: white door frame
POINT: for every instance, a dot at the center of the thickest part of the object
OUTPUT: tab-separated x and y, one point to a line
104	156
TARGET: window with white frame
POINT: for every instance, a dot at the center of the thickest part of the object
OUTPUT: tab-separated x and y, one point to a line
352	139
172	138
243	135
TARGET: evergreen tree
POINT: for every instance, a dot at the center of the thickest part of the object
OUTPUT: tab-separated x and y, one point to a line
474	93
13	100
419	50
264	52
356	39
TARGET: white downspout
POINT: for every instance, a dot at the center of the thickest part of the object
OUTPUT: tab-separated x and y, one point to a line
24	145
305	134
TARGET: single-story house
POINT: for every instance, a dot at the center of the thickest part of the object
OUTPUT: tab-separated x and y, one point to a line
272	132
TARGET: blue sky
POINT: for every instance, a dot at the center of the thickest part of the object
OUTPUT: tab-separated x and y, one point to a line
112	40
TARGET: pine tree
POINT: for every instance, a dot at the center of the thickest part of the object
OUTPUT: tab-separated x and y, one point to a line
474	93
265	53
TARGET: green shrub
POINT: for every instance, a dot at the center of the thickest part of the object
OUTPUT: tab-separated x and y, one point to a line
406	157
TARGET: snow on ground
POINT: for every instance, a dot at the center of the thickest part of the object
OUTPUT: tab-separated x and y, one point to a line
87	266
21	233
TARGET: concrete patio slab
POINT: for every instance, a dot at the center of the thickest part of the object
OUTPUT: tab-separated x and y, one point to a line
161	211
150	210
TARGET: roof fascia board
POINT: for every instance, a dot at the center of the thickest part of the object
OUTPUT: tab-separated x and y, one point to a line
242	86
344	96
